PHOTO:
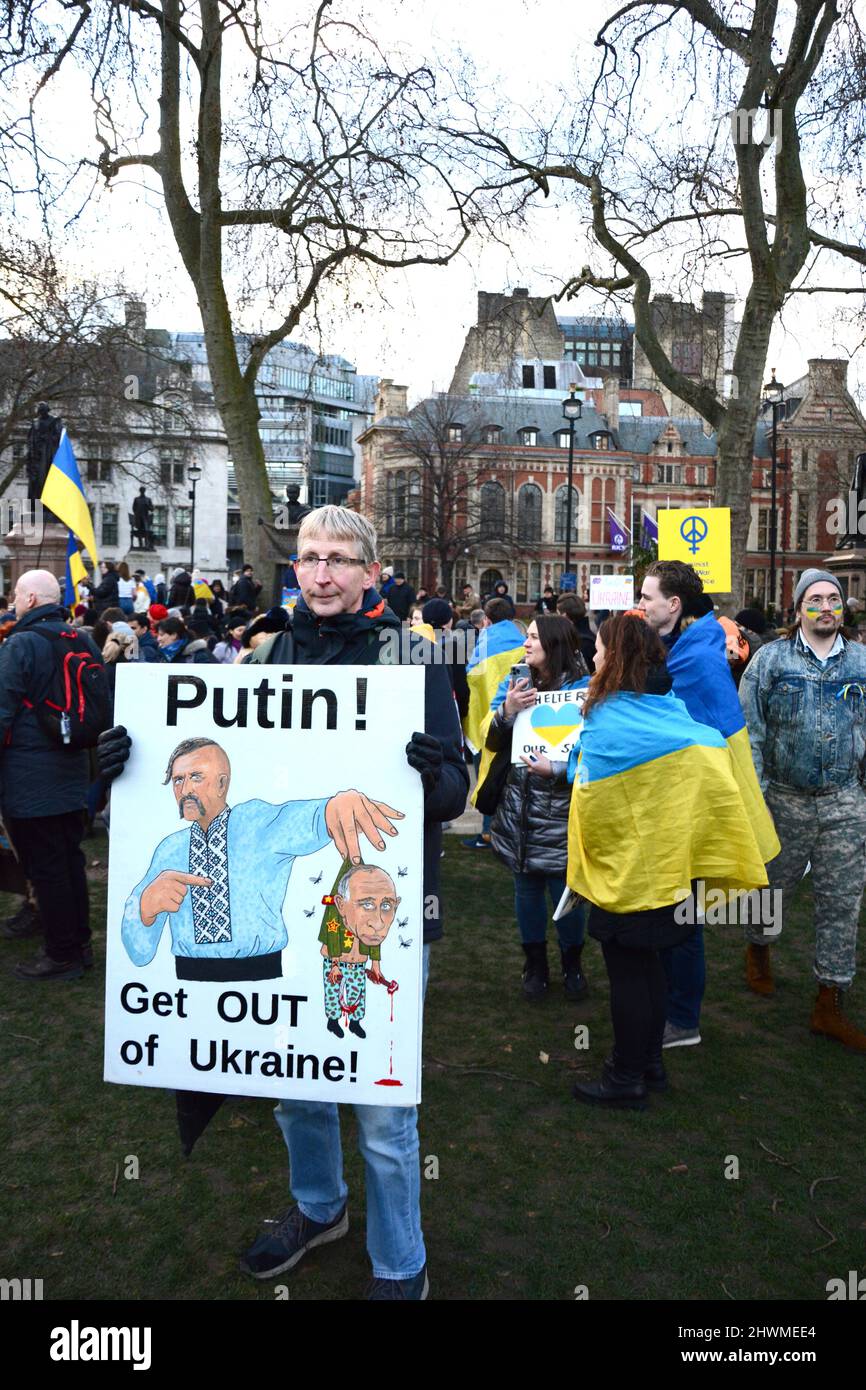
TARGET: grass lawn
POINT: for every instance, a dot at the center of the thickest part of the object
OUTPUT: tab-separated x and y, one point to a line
535	1194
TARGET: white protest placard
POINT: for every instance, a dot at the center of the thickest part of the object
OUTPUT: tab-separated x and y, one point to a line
246	955
612	591
551	728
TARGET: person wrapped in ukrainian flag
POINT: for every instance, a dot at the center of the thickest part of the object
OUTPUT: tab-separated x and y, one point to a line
656	805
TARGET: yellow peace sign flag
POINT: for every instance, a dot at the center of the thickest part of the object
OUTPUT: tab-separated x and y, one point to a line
702	537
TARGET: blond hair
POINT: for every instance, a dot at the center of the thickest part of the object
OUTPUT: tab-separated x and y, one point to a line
340	524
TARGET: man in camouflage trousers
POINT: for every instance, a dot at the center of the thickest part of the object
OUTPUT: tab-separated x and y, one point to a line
804	699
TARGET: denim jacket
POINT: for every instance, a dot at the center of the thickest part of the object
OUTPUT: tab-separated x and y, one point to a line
806	720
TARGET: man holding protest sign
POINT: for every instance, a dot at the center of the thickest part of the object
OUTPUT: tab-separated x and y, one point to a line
341	620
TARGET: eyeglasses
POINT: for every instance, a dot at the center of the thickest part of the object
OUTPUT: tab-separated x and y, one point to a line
817	605
337	564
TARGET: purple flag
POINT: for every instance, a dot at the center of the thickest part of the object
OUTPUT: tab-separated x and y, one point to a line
617	532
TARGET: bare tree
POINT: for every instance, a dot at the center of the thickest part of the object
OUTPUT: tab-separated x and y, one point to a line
295	153
745	165
442	492
61	342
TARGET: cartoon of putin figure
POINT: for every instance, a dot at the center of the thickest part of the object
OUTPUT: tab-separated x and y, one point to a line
221	881
360	913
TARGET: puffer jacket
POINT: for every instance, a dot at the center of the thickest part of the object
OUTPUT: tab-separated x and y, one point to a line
529	832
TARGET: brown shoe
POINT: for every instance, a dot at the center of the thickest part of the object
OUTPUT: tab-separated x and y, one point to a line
829	1020
758	974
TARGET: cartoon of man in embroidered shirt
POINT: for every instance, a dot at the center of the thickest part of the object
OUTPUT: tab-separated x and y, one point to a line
364	905
222	880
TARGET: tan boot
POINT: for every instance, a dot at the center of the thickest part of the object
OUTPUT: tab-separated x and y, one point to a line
758	974
829	1020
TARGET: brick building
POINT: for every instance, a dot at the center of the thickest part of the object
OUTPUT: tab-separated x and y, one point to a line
630	455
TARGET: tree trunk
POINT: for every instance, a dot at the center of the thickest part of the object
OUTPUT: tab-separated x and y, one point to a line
736	441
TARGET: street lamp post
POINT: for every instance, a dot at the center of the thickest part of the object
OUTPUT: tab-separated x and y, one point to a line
193	473
572	409
774	392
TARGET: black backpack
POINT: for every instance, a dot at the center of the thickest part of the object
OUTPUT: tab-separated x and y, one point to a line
75	707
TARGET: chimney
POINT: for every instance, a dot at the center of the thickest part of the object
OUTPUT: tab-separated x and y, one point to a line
391	399
610	401
135	312
828	376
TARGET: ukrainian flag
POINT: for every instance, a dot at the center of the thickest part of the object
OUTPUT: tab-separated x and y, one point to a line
656	803
75	571
498	649
64	495
698	667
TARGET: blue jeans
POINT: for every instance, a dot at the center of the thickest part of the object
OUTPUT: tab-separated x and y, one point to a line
388	1140
530	908
686	973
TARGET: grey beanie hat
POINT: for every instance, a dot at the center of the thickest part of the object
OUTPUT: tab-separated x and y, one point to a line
810	577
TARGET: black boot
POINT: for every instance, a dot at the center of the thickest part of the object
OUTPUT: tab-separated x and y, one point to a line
573	977
616	1090
536	975
655	1077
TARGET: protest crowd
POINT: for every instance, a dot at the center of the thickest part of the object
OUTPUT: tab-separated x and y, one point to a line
710	754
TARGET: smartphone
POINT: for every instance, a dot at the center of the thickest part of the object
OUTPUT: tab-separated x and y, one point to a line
521	672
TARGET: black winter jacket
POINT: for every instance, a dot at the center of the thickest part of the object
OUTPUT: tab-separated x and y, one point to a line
37	776
105	593
529	832
354	639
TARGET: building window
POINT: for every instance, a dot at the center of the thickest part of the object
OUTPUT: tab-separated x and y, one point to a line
802	523
403	504
668	473
98	464
492	511
549	378
764	514
804	459
491	434
160	525
520	595
528	378
110	513
455	434
600	440
756	588
172	469
560	519
529	437
181	526
562	438
535	577
529	501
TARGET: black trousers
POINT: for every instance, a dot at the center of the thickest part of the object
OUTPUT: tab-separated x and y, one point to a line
50	851
638	1003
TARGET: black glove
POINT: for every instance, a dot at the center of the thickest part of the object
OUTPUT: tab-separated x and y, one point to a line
112	752
424	753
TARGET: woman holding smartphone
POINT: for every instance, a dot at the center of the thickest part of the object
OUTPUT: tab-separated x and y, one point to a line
529	832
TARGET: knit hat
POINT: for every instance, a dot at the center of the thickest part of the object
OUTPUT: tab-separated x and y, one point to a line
437	612
157	611
810	577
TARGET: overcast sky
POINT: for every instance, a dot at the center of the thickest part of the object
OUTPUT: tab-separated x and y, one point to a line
414	334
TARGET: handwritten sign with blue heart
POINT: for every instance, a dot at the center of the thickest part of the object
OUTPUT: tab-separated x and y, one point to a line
552	728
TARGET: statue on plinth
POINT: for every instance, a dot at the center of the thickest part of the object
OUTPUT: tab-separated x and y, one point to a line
141	526
43	437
